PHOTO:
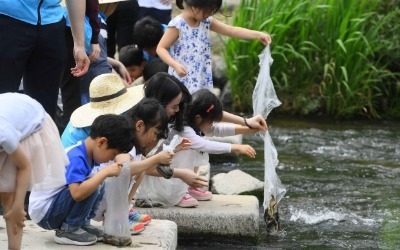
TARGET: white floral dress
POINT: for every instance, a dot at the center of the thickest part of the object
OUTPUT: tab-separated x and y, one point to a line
192	50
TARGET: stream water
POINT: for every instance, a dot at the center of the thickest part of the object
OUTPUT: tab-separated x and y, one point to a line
342	181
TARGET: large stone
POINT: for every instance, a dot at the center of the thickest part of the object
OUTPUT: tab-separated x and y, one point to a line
225	217
159	234
235	182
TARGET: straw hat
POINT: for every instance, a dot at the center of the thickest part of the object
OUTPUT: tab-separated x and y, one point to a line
108	95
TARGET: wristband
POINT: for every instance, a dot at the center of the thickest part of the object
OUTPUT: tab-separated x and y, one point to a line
245	122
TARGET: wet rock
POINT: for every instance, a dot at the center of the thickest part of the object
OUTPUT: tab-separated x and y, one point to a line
235	182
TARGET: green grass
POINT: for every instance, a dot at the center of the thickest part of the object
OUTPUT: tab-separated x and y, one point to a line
331	57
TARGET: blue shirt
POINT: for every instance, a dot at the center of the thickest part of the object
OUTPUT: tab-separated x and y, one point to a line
79	168
27	10
72	135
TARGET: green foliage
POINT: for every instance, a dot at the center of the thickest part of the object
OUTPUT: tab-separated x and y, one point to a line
334	57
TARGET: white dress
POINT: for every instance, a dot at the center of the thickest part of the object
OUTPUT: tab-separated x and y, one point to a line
170	191
24	121
193	50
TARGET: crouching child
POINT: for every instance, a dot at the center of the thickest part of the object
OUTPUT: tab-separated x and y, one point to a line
69	208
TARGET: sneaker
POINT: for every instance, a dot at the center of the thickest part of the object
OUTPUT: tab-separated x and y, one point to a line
188	201
137	217
98	232
78	237
200	194
136	227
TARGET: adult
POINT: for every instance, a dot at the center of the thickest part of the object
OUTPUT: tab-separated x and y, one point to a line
33	47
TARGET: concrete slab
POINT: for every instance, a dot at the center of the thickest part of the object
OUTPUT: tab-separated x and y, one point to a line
159	234
225	216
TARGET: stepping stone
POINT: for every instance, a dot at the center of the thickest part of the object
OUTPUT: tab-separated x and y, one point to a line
159	234
224	217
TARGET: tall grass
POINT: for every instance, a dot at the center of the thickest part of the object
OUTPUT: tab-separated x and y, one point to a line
328	57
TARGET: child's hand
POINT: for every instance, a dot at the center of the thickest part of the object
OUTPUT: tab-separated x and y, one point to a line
264	38
165	157
114	169
16	216
184	145
245	150
180	70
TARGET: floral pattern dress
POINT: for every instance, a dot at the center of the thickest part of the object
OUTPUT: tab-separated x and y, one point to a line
192	49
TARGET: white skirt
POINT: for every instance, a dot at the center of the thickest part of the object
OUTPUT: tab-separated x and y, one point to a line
48	160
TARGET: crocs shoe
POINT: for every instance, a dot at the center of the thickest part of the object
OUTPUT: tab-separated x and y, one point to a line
137	217
147	203
200	194
136	227
188	201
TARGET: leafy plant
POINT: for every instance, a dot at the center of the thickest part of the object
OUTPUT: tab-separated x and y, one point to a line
330	56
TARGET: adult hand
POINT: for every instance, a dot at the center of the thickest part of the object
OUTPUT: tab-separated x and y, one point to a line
81	60
189	177
257	122
95	52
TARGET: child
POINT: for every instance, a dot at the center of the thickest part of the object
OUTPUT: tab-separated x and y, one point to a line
132	58
166	87
70	207
187	37
27	135
153	67
147	33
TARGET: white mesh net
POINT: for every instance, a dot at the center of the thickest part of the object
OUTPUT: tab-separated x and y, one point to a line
264	100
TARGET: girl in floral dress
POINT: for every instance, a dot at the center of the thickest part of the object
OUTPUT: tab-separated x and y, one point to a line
188	40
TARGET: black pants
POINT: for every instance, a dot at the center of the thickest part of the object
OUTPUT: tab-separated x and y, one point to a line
70	85
120	26
35	53
163	16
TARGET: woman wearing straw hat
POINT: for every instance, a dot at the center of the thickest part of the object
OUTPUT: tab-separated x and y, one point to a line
108	95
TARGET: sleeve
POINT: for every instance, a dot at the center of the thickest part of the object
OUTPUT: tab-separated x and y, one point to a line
221	129
76	171
201	144
92	11
9	137
175	22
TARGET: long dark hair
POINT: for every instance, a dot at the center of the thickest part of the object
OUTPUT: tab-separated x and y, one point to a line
212	6
152	113
165	87
205	104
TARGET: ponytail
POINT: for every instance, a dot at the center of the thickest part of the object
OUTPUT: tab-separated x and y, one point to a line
179	3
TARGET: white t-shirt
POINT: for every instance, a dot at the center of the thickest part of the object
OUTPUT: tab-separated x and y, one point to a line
20	116
157	4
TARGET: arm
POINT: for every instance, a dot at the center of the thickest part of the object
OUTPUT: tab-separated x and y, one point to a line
186	175
244	149
163	158
239	32
121	70
76	14
256	122
17	214
80	191
169	37
92	12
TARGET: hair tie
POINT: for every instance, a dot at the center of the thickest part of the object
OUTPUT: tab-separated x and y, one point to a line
210	108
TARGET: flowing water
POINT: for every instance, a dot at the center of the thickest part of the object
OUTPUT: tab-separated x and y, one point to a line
342	181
